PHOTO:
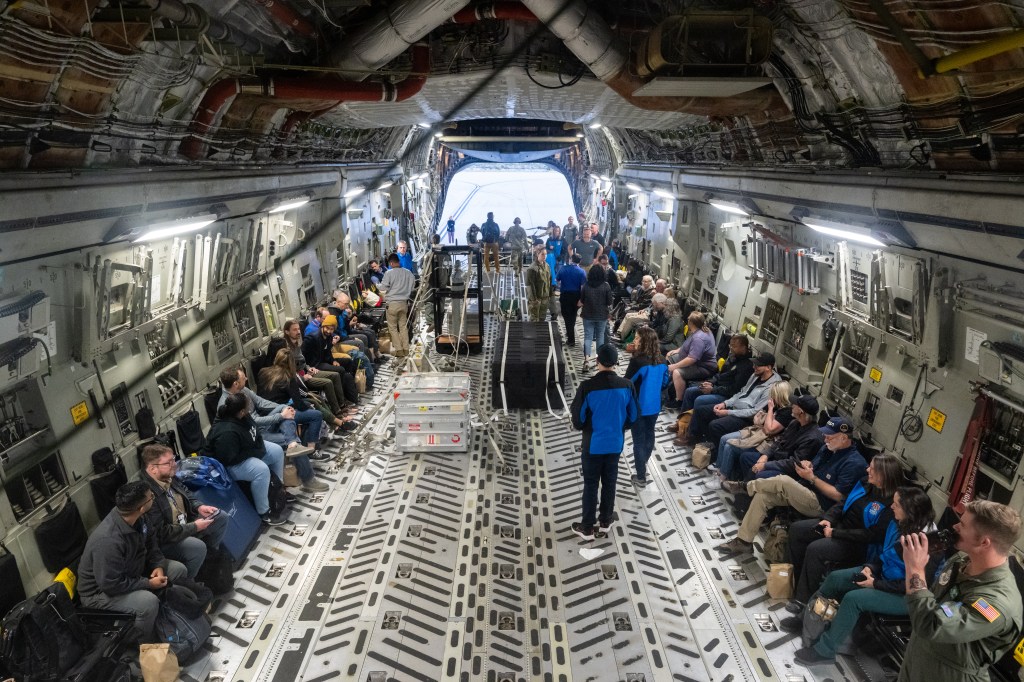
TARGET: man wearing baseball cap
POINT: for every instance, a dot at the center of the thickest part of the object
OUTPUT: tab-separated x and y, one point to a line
711	422
811	489
604	407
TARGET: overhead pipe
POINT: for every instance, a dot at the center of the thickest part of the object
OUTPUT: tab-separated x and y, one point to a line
975	53
193	16
507	11
591	39
389	33
330	90
288	17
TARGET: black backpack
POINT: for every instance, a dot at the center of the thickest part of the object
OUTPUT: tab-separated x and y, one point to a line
108	475
277	495
190	433
182	623
61	538
43	637
217	571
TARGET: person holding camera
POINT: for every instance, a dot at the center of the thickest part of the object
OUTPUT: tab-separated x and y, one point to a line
877	586
846	532
972	614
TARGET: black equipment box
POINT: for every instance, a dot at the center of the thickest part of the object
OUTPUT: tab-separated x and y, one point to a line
529	365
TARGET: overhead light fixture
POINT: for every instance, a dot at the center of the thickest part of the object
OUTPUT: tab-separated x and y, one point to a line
579	134
438	134
595	126
385	185
728	207
841	231
423	125
126	229
665	195
604	178
354	192
288	205
635	187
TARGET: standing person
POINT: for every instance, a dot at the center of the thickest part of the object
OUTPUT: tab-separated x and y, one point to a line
614	249
596	305
184	528
405	258
451	229
554	247
122	567
569	234
587	248
571	278
972	614
595	234
538	286
649	374
877	587
517	241
473	234
604	407
397	287
490	237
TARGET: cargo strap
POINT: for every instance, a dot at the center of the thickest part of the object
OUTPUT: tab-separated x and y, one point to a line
501	376
549	365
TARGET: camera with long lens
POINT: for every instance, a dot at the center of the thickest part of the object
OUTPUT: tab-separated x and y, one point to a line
939	542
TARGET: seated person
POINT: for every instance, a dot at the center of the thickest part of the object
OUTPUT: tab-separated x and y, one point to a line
314	323
638	308
234	441
695	359
971	616
281	383
634	275
350	329
122	567
729	380
775	422
328	383
816	486
279	424
375	272
877	587
184	528
849	533
712	422
318	349
671	333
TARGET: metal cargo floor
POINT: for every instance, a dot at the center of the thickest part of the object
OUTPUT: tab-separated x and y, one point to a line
434	567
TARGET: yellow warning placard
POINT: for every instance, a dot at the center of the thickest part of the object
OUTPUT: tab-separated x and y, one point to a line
936	420
875	374
79	413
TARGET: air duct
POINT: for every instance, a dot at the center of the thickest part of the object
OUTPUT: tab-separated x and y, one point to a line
389	33
308	88
589	37
708	41
193	16
493	10
288	17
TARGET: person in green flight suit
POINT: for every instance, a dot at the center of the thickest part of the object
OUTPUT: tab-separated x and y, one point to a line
972	614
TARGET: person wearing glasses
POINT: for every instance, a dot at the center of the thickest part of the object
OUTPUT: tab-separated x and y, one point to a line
122	566
184	528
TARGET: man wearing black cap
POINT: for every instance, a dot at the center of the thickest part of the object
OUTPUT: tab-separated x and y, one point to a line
604	407
799	441
710	423
814	487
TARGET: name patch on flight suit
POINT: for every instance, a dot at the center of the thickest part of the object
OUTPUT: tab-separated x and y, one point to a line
986	609
949	609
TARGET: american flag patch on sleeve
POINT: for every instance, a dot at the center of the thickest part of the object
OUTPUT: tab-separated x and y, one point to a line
986	609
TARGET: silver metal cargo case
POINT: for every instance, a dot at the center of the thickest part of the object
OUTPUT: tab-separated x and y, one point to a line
432	412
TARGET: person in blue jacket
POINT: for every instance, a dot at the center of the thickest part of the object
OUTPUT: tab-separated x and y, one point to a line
405	258
648	371
604	407
554	247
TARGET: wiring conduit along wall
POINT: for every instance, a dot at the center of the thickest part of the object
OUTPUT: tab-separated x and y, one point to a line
328	90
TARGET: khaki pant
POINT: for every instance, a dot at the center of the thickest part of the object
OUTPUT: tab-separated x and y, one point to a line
778	491
397	315
491	249
630	322
538	309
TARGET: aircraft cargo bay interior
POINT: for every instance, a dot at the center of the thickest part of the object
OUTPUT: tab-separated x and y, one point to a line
420	340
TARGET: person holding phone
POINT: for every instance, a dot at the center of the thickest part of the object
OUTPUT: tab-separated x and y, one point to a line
185	529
